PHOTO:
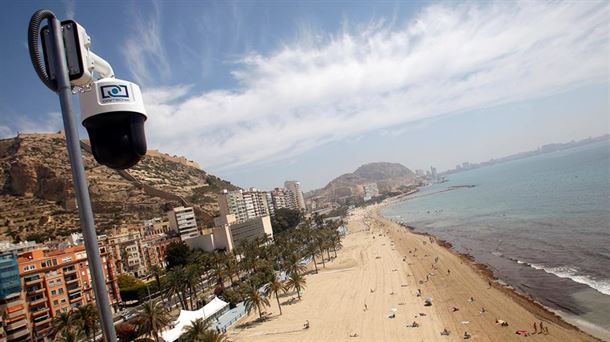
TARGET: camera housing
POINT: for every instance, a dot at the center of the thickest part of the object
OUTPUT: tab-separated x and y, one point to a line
113	114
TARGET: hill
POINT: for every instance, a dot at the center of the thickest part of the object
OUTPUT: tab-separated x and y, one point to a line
37	199
388	177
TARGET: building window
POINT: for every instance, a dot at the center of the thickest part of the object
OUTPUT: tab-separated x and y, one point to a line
29	268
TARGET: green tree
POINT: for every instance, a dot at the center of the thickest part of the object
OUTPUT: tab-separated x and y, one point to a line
297	282
64	322
274	287
176	284
152	319
157	272
285	219
177	254
126	332
254	299
196	331
127	281
86	315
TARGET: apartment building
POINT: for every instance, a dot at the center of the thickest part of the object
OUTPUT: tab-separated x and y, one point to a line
57	281
229	234
258	227
182	220
14	325
297	195
243	204
282	198
125	250
157	225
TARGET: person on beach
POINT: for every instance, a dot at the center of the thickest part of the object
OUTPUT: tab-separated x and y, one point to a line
448	272
483	310
471	300
365	307
466	335
306	325
418	292
454	309
541	328
445	332
535	328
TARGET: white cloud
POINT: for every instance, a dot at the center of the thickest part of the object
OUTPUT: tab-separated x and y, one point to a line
50	122
446	60
144	50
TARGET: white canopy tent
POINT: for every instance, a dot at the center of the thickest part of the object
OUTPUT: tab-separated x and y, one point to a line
186	317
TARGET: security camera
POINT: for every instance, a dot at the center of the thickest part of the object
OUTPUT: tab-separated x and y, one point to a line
113	114
112	110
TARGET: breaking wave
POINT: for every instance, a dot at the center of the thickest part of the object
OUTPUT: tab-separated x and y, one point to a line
602	286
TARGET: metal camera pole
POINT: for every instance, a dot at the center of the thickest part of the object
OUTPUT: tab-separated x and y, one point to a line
64	90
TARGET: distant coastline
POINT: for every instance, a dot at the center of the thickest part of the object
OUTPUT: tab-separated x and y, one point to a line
548	148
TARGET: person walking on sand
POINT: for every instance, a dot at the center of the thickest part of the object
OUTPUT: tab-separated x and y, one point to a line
535	328
541	328
448	272
365	307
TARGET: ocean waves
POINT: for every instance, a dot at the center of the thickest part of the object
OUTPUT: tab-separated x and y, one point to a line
568	272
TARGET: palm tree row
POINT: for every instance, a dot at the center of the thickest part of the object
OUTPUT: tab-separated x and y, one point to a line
250	273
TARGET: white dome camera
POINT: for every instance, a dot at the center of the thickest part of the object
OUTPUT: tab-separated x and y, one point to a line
113	114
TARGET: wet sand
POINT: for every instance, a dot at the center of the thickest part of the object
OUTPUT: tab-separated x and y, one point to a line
370	270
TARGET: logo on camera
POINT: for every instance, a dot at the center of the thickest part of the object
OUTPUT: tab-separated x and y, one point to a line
114	91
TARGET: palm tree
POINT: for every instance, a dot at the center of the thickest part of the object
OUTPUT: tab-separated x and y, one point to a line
152	318
64	322
195	331
215	336
255	299
157	272
293	264
297	282
176	284
274	287
86	315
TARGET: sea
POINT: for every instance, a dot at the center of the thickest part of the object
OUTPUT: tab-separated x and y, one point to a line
541	224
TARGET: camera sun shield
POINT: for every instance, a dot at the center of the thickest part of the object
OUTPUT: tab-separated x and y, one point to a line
113	114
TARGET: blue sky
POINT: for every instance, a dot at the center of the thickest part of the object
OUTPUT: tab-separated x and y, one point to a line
260	92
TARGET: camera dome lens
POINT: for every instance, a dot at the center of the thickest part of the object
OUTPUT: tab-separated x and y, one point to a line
117	138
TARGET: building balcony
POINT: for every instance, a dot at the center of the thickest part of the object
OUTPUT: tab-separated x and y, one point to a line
15	316
71	281
38	301
15	325
33	281
41	322
69	270
73	288
41	310
17	334
35	290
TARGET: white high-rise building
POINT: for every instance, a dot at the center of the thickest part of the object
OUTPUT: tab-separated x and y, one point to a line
183	220
243	205
282	198
297	195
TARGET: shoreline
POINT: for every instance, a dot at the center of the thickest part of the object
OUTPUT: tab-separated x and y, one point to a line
377	286
485	271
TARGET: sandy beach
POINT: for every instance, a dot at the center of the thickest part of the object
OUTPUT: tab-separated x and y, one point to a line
377	274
